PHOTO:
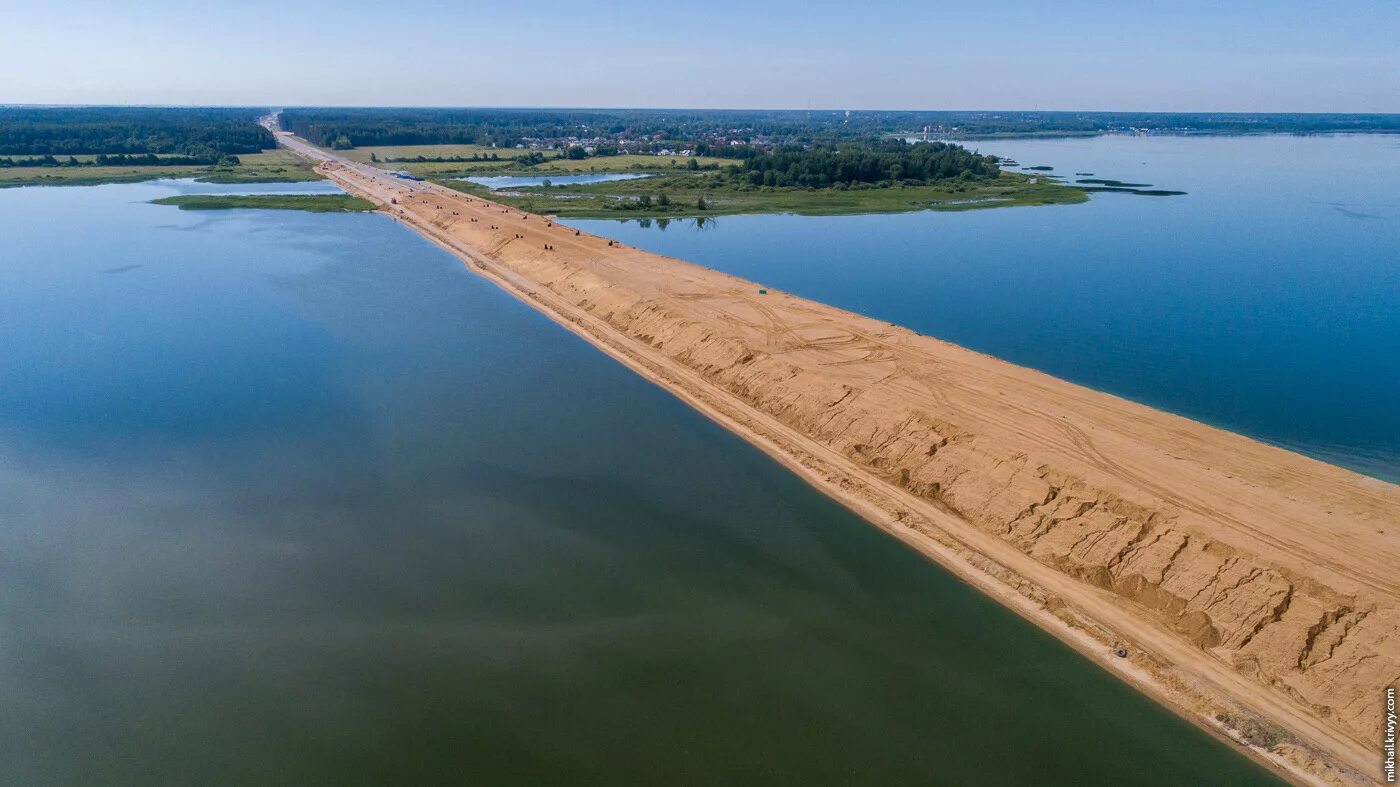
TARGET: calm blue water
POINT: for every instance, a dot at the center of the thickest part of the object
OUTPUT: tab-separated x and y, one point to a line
195	187
1265	301
295	498
497	182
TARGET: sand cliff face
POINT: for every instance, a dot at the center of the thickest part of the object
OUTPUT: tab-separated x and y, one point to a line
1252	580
1330	649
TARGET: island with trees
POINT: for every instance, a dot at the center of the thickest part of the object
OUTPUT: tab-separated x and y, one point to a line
875	176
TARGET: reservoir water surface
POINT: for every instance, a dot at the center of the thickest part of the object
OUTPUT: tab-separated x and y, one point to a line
295	498
1266	300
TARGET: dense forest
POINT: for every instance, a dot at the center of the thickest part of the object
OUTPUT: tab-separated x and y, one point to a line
852	165
205	133
364	128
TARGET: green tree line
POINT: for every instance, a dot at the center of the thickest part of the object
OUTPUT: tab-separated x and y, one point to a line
851	164
193	131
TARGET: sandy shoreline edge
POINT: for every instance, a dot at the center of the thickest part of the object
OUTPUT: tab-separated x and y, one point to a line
1204	675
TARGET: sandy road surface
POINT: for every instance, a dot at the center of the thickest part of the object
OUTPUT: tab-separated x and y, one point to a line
1254	590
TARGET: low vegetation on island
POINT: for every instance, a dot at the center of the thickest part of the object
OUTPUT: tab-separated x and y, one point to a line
314	203
273	166
679	195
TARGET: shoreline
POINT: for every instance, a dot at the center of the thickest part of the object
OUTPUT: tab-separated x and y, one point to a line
1093	619
1021	601
270	166
1079	639
606	200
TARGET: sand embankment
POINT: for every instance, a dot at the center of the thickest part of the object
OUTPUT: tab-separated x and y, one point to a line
1253	589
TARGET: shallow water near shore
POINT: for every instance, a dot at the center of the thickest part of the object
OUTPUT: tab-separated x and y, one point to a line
1266	300
296	498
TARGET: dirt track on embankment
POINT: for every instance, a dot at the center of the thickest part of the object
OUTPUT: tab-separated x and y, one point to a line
1254	590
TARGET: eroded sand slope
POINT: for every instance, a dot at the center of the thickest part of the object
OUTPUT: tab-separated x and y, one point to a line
1250	585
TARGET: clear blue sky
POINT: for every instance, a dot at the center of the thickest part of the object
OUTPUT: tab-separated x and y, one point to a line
1247	55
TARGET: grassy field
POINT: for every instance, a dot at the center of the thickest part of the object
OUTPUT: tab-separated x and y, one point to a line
427	151
684	191
453	169
315	203
269	166
627	163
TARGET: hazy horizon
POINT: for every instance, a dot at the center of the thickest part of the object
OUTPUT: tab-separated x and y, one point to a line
1252	57
272	105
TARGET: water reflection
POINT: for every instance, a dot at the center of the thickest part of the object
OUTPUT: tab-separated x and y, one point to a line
695	223
298	499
